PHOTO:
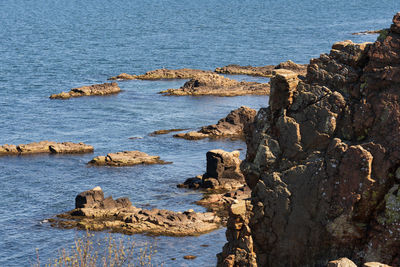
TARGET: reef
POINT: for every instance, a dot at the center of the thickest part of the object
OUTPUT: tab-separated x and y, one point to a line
218	85
126	158
91	90
263	71
96	213
229	127
163	74
45	147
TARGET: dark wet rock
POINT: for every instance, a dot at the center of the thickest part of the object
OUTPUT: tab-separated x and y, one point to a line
231	126
94	212
46	147
223	172
264	71
323	164
163	74
91	90
223	182
126	158
159	132
218	85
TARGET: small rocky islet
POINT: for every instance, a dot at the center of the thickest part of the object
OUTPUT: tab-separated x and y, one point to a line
49	147
322	167
90	90
126	158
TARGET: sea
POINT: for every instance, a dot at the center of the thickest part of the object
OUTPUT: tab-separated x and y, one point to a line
49	46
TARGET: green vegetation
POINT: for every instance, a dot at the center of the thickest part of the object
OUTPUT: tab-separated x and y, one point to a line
383	34
91	251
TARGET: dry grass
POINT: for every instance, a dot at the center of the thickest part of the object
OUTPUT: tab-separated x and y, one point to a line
91	251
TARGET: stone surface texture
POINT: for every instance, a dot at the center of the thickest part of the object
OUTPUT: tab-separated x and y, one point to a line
126	158
163	74
218	85
45	147
91	90
264	71
94	212
323	163
231	126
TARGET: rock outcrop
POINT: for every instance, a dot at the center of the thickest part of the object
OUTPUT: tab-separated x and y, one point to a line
323	163
160	132
218	85
229	127
223	172
126	158
163	74
91	90
45	147
264	71
223	181
94	212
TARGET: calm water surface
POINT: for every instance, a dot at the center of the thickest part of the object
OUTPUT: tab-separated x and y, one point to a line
50	46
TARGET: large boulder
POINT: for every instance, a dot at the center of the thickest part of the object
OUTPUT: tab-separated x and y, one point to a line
231	126
323	162
90	90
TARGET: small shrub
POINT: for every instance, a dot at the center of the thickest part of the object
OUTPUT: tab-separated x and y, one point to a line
91	251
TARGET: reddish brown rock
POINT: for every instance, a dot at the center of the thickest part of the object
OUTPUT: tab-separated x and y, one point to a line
323	163
231	126
163	74
46	147
126	158
94	212
91	90
218	85
264	71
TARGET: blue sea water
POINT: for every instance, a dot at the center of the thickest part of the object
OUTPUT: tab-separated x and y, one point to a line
51	46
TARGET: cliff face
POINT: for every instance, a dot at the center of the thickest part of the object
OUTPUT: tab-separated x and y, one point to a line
323	163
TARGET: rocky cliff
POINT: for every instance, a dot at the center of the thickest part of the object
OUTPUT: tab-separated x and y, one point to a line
323	163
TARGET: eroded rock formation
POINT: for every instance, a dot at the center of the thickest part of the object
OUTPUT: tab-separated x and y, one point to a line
162	74
264	71
126	158
231	126
45	147
323	163
218	85
94	212
223	181
91	90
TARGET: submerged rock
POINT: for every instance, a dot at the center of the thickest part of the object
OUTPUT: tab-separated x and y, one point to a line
94	212
323	163
231	126
91	90
264	71
45	147
218	85
163	74
159	132
126	158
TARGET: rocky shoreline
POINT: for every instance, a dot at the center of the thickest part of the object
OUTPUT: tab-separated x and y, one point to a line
323	164
321	178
